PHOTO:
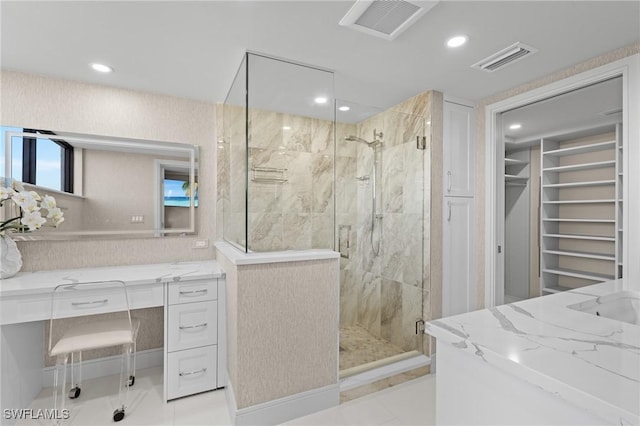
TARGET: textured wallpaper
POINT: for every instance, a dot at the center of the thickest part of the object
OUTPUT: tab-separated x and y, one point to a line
282	328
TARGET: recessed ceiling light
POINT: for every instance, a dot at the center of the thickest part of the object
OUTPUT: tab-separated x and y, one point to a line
344	108
286	127
320	100
101	67
515	126
457	41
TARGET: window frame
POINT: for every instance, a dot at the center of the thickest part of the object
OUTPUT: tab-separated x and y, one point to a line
29	158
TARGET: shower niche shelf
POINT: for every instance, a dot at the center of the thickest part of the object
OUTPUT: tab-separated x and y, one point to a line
269	175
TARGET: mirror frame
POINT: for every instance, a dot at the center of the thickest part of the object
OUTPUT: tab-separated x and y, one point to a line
189	153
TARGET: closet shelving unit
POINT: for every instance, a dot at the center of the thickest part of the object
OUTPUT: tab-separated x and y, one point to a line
581	208
619	198
516	171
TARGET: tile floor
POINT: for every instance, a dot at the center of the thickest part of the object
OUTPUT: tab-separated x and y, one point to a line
409	403
358	347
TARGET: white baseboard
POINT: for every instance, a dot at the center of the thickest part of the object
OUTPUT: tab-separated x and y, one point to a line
385	371
284	409
109	365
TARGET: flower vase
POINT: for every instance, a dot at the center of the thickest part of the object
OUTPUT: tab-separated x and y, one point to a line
10	258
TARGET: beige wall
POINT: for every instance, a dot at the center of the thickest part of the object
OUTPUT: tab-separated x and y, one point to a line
282	328
63	105
481	142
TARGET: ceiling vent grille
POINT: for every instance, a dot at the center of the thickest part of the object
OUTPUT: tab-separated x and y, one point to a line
501	59
384	18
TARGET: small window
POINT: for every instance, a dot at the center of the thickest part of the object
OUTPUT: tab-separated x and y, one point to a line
40	160
177	193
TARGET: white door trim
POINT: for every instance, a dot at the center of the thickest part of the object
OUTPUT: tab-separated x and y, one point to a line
629	69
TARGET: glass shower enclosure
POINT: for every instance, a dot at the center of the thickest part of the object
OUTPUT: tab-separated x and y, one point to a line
298	169
278	157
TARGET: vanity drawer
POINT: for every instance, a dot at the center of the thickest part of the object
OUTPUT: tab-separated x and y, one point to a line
193	291
191	325
191	371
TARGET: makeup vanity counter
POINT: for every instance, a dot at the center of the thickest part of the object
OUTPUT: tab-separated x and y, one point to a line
539	362
192	294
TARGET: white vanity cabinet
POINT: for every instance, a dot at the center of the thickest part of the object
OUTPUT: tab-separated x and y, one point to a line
192	343
192	295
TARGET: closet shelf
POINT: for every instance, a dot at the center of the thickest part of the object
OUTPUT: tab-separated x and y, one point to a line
515	178
582	166
574	150
552	219
579	184
580	201
514	162
580	237
555	289
582	254
579	274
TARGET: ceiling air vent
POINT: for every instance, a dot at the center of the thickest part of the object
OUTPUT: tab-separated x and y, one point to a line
506	56
384	18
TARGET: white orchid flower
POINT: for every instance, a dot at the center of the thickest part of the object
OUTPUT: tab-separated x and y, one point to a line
5	193
33	220
57	220
30	205
17	186
35	195
21	197
55	214
48	202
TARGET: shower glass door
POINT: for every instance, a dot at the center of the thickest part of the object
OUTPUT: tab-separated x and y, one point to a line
380	233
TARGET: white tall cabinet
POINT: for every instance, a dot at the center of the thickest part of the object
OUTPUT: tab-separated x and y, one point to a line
459	283
459	156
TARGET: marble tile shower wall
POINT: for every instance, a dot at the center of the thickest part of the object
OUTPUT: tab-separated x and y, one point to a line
296	214
384	293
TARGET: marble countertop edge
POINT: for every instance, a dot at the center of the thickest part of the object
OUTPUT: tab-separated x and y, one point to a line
30	283
501	336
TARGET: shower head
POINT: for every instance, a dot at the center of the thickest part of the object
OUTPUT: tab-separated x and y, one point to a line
352	138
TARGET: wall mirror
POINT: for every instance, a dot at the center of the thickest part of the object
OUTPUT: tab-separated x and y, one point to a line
105	186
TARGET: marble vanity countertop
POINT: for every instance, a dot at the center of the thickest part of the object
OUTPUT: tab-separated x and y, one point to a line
42	281
589	361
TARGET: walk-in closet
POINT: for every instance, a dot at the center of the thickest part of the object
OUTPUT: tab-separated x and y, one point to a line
563	192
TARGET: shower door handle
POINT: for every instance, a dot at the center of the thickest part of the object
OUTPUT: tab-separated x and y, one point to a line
449	214
449	181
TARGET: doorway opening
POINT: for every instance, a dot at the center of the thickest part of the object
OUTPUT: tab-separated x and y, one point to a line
555	216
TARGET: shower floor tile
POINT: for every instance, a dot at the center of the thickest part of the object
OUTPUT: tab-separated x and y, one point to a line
358	347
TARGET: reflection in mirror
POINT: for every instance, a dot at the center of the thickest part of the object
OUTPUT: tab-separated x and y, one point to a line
105	186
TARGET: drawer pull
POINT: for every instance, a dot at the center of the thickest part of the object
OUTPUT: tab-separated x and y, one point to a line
189	373
192	292
185	327
95	302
